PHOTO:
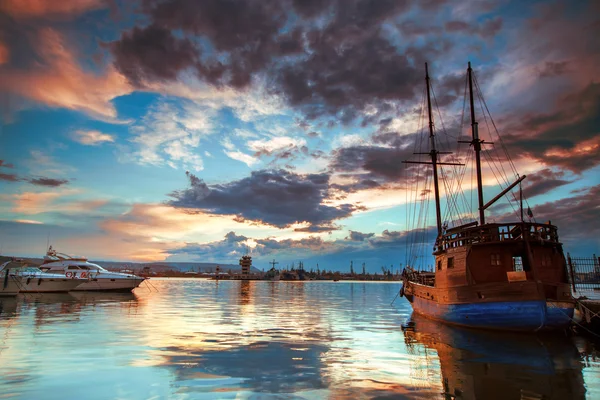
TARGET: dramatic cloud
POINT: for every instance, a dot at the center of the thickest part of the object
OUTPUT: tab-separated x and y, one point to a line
486	29
40	181
4	53
569	137
281	144
48	182
164	222
92	138
5	164
140	54
359	236
234	245
322	68
382	163
575	217
274	197
542	182
9	177
58	80
42	8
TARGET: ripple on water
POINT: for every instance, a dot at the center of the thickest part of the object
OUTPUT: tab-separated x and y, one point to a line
197	338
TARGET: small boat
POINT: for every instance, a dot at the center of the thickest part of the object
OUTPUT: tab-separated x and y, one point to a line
506	276
98	278
34	280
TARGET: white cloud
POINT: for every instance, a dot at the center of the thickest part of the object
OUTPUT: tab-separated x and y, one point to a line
228	144
349	141
92	138
243	157
248	105
170	135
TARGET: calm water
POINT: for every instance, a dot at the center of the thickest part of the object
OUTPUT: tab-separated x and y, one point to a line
200	339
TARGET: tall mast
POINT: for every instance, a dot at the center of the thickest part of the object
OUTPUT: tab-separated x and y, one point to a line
476	142
433	152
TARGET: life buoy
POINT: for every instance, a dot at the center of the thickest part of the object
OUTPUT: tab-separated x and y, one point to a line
83	275
69	274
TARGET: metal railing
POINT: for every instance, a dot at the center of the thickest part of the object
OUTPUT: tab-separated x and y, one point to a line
488	233
584	272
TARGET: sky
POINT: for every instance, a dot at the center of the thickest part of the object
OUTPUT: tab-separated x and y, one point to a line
180	130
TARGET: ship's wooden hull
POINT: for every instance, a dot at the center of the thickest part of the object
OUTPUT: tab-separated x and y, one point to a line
522	314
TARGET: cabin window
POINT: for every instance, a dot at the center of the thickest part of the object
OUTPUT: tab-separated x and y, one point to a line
496	260
450	262
518	263
439	265
73	267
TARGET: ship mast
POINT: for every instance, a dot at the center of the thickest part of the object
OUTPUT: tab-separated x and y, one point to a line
434	155
476	142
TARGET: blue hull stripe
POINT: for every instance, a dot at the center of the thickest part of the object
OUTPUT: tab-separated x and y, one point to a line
511	315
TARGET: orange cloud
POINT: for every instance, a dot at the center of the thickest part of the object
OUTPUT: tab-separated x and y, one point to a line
31	203
163	222
92	138
38	8
4	54
62	82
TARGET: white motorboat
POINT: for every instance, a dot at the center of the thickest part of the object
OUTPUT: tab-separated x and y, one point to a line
10	285
34	280
98	278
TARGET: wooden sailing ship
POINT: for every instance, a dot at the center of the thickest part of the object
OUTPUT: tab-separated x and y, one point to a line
509	276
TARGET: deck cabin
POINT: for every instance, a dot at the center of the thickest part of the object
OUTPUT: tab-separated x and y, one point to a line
470	257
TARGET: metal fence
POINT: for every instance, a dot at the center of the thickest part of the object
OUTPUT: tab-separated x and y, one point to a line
585	272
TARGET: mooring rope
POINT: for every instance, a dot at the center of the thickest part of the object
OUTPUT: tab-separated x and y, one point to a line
573	320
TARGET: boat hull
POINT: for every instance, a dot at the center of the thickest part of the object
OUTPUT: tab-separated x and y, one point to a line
46	285
110	285
527	315
10	285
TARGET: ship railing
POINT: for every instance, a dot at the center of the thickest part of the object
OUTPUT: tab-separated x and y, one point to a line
498	233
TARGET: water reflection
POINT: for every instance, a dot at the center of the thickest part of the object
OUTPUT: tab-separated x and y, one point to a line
487	365
273	367
196	338
8	307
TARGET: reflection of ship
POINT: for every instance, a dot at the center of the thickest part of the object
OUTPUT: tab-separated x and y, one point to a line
509	276
98	279
490	365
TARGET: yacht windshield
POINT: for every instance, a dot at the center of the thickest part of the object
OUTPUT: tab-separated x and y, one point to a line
96	266
25	269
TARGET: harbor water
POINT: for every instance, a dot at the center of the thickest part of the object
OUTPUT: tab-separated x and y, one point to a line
206	339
